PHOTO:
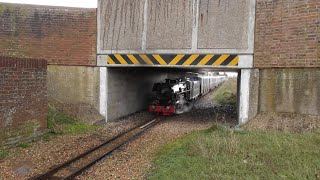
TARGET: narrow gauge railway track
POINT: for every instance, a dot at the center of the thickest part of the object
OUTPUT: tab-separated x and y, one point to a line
75	166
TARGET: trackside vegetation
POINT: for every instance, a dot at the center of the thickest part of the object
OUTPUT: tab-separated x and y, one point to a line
222	153
3	153
226	94
60	123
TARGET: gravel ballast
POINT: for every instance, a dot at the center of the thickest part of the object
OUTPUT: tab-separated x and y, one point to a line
134	160
23	163
131	161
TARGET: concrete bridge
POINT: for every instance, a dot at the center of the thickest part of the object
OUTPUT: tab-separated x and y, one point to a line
205	35
273	46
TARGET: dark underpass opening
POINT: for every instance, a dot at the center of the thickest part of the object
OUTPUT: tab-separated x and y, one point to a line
200	94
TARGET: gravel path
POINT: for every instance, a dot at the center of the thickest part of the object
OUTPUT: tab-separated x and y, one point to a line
130	161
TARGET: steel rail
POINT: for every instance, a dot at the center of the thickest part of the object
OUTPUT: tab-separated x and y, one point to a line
53	170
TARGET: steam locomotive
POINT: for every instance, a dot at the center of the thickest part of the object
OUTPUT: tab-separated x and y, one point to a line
176	96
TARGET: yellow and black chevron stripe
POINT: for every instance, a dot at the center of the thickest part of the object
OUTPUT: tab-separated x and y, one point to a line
177	59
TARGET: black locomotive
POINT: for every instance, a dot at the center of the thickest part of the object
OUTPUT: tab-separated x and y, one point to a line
175	96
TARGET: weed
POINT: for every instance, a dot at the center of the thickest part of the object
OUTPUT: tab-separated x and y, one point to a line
24	145
47	136
60	123
3	153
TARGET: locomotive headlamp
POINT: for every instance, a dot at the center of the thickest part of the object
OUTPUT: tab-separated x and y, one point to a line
168	107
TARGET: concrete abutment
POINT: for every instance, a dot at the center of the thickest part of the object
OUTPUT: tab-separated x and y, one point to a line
74	90
294	90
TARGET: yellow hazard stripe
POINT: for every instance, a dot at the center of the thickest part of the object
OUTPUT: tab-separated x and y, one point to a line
206	59
133	59
120	58
110	61
176	59
220	60
146	59
234	62
191	59
159	59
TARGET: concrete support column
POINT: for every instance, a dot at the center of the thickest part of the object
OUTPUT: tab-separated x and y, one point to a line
248	94
103	92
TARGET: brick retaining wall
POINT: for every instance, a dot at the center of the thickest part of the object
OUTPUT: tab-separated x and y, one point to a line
23	98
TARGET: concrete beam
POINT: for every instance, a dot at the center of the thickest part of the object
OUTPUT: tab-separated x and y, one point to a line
245	61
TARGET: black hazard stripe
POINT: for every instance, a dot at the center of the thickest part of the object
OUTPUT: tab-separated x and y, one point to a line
174	59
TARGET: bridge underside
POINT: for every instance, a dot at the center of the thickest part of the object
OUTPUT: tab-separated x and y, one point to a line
126	89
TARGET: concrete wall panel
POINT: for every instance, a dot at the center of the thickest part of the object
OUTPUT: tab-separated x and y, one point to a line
223	24
121	24
290	91
129	90
169	24
75	91
176	27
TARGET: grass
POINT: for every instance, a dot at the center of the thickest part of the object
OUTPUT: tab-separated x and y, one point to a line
3	153
220	153
60	123
24	145
226	94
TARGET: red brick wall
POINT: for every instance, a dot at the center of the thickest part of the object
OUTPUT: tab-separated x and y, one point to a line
23	95
287	33
61	35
